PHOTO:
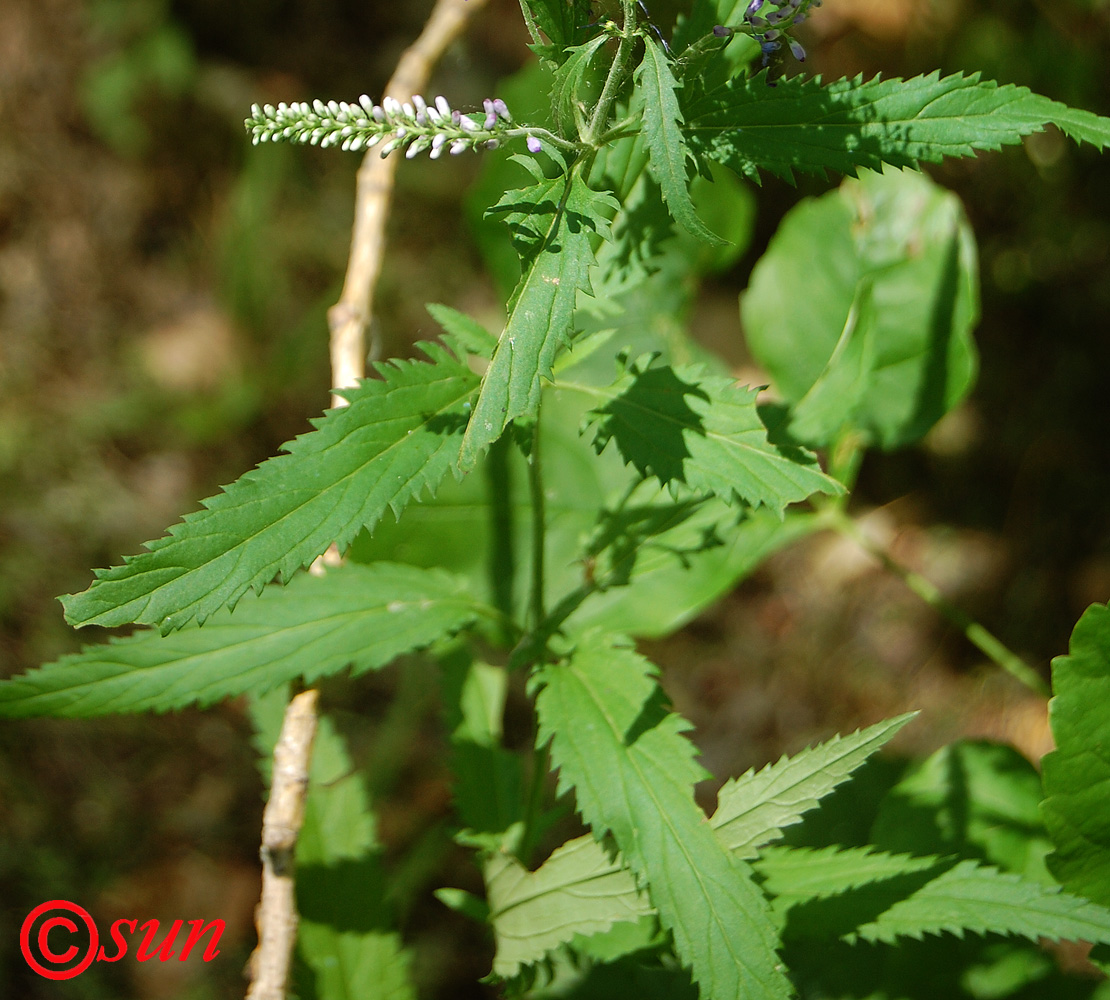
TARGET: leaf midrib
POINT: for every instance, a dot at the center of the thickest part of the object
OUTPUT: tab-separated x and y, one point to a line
665	816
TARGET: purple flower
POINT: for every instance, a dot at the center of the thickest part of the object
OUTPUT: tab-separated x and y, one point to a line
534	144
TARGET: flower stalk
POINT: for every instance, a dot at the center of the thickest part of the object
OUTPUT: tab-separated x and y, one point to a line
769	22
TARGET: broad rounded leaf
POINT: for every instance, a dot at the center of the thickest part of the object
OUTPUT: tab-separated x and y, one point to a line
862	310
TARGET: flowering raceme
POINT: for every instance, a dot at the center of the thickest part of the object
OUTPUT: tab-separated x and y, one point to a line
417	126
769	22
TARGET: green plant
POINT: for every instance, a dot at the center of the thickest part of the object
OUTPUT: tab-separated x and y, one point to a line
861	312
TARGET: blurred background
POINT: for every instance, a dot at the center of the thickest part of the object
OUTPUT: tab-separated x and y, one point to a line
163	288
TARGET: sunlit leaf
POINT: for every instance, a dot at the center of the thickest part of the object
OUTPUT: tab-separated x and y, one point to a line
703	431
801	124
753	809
623	752
357	616
553	222
663	135
398	438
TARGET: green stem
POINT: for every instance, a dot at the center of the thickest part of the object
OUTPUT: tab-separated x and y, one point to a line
539	526
615	79
976	634
545	134
502	563
541	764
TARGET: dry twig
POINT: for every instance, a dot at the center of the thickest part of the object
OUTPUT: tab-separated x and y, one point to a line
281	823
347	320
350	316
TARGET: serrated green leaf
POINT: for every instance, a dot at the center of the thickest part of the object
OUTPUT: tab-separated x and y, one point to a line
1076	774
648	273
568	96
881	341
683	426
578	890
593	884
663	134
669	580
398	437
793	874
982	900
361	616
802	125
542	309
633	772
344	933
753	809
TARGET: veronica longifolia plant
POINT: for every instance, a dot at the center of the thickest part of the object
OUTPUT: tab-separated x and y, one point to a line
690	484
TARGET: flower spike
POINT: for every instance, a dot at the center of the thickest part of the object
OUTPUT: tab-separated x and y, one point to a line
417	125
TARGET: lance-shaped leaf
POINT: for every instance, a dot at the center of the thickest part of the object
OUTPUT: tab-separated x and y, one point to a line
861	893
553	223
798	874
702	430
753	809
569	96
357	616
399	437
983	900
1076	774
800	124
662	130
580	889
615	742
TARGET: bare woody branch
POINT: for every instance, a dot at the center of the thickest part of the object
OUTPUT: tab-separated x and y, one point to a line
281	824
349	317
347	321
